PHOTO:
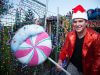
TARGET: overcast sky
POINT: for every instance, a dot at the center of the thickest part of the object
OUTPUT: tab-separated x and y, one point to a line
67	5
64	6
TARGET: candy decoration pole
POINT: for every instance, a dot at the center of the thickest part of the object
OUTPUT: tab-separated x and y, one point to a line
67	73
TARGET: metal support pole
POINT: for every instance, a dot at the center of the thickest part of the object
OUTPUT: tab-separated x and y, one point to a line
67	73
46	14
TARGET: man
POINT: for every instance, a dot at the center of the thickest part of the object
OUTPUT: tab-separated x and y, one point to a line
81	47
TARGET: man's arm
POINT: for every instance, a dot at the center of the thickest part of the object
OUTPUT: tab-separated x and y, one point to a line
96	62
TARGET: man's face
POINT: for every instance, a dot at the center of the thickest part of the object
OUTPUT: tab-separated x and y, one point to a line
79	24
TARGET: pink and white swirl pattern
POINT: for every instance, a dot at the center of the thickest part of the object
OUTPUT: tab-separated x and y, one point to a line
34	50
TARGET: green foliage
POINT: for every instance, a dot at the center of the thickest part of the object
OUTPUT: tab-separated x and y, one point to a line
29	16
17	24
5	53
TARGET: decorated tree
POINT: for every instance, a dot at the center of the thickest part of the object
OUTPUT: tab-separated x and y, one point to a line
17	24
29	16
5	54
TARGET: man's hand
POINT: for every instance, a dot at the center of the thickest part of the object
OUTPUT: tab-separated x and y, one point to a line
60	64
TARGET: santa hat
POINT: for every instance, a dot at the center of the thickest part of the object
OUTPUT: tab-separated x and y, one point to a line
79	12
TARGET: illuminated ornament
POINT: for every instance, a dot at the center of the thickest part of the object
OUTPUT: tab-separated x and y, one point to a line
31	45
79	12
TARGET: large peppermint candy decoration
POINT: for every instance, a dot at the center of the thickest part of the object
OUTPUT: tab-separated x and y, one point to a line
31	45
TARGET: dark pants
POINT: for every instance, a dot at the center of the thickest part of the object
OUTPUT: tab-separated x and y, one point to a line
70	68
